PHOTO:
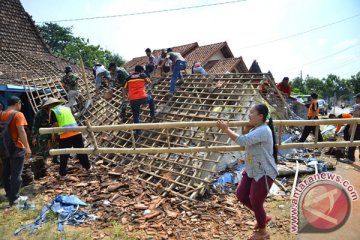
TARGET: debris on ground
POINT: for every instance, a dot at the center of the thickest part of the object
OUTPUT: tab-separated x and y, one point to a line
117	197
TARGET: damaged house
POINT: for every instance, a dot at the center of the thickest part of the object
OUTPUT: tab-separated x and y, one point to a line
227	93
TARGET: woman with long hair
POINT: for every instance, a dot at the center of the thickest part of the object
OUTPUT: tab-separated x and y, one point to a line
260	165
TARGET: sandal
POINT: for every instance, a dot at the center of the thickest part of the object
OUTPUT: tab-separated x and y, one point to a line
259	236
268	219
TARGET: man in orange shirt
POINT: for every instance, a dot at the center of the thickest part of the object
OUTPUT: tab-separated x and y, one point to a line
135	89
338	126
313	114
13	165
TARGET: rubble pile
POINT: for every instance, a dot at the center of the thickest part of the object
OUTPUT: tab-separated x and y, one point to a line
114	196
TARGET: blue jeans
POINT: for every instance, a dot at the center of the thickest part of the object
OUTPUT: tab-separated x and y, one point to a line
135	107
11	176
179	66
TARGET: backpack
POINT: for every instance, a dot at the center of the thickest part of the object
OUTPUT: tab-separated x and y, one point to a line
7	145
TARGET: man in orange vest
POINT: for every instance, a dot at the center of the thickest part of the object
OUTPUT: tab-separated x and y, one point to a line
135	89
313	113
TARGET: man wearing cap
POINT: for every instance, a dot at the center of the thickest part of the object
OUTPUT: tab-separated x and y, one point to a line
118	75
13	165
70	84
135	88
61	116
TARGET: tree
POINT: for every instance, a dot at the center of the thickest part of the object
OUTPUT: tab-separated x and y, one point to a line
314	85
63	43
355	82
55	36
297	85
330	85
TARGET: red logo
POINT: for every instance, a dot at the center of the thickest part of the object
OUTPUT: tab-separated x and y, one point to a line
325	207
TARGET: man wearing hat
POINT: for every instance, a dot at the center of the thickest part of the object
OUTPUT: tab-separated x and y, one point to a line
13	165
70	84
61	116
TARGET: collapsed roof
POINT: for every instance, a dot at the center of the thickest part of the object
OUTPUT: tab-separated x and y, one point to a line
199	98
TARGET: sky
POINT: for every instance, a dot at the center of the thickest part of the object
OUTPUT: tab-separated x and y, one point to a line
287	37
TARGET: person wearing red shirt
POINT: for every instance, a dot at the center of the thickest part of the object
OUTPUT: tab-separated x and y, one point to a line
135	88
284	87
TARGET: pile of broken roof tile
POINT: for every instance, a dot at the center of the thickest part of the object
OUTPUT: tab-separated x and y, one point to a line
115	197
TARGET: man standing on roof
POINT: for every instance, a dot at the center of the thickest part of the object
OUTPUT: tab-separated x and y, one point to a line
61	116
13	165
150	66
118	75
179	65
166	67
135	87
313	114
284	87
100	72
70	84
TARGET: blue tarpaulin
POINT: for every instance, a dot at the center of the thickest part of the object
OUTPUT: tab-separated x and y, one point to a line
232	178
67	210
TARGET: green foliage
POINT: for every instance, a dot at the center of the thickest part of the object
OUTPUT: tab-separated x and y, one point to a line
355	83
327	87
298	86
56	37
63	43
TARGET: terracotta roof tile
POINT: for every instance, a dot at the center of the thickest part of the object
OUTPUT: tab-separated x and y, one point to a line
23	52
204	53
226	65
183	49
18	32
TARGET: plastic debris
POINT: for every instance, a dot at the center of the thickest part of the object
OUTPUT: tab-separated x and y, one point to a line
67	210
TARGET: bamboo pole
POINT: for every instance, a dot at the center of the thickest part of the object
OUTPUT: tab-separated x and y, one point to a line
82	67
295	180
164	125
194	149
353	130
